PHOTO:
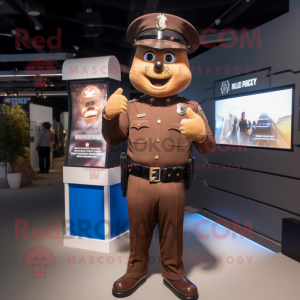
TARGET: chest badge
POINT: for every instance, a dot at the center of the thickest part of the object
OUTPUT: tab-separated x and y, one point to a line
141	115
181	109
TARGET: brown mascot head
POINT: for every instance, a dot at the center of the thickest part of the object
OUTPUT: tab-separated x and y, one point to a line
160	67
91	103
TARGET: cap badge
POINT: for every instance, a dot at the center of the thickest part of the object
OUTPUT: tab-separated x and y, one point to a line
89	92
161	22
181	109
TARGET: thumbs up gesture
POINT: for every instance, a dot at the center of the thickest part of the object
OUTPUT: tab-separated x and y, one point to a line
116	104
193	128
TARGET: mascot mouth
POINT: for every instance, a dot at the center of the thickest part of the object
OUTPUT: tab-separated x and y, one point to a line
90	114
158	82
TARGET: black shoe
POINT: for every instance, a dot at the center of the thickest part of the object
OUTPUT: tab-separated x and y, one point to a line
41	172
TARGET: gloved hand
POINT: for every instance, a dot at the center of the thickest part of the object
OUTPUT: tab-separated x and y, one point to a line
116	104
193	128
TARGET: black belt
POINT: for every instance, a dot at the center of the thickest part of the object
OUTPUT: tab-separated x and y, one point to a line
156	174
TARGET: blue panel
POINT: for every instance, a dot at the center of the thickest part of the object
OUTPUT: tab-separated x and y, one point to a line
86	211
118	211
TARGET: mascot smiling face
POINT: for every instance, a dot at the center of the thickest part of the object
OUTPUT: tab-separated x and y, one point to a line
160	72
91	103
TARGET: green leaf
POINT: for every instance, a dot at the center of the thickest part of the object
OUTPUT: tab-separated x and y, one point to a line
14	133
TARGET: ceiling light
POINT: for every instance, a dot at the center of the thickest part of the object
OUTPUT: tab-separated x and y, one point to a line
90	19
74	54
15	94
92	31
6	93
7	32
34	8
89	10
217	21
76	47
33	13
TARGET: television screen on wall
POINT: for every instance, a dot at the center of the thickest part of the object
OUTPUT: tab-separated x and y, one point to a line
256	120
87	147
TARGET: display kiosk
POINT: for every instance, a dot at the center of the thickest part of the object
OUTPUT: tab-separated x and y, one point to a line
95	211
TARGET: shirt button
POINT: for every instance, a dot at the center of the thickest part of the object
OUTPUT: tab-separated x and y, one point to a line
158	121
156	157
158	140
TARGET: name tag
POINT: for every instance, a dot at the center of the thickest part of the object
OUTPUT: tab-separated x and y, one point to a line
141	115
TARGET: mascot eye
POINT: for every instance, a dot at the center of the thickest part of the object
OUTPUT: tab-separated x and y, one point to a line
149	56
93	103
43	258
169	57
87	104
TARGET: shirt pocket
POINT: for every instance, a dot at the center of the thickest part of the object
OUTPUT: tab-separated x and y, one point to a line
139	131
175	136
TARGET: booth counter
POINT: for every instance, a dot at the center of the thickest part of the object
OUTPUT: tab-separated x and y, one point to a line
95	211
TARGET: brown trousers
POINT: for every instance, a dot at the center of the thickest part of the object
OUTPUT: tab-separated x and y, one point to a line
148	205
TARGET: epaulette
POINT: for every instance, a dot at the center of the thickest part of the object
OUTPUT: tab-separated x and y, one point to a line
188	101
134	100
143	97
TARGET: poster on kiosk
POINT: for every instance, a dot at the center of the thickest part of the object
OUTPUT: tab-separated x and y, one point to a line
95	210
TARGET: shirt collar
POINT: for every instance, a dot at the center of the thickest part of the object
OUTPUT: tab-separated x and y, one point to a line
166	100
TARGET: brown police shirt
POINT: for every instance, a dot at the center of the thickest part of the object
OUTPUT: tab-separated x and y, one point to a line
152	128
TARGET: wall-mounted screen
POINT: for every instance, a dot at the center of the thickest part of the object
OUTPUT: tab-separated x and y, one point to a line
87	146
257	120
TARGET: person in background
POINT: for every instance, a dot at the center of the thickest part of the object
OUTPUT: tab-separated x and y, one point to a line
245	128
43	147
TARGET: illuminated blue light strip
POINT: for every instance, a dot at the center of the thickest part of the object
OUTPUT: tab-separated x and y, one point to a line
236	233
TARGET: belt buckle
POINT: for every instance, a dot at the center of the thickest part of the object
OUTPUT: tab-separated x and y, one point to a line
152	171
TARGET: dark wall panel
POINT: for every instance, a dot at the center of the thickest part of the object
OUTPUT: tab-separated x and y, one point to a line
273	190
266	188
265	219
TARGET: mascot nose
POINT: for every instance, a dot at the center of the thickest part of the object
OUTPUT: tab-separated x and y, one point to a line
158	66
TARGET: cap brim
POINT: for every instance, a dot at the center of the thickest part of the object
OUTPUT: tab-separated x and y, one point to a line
160	44
174	23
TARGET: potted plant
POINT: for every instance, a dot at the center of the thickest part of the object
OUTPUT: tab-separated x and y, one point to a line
14	137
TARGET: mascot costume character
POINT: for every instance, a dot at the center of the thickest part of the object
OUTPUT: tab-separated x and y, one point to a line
161	129
91	103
